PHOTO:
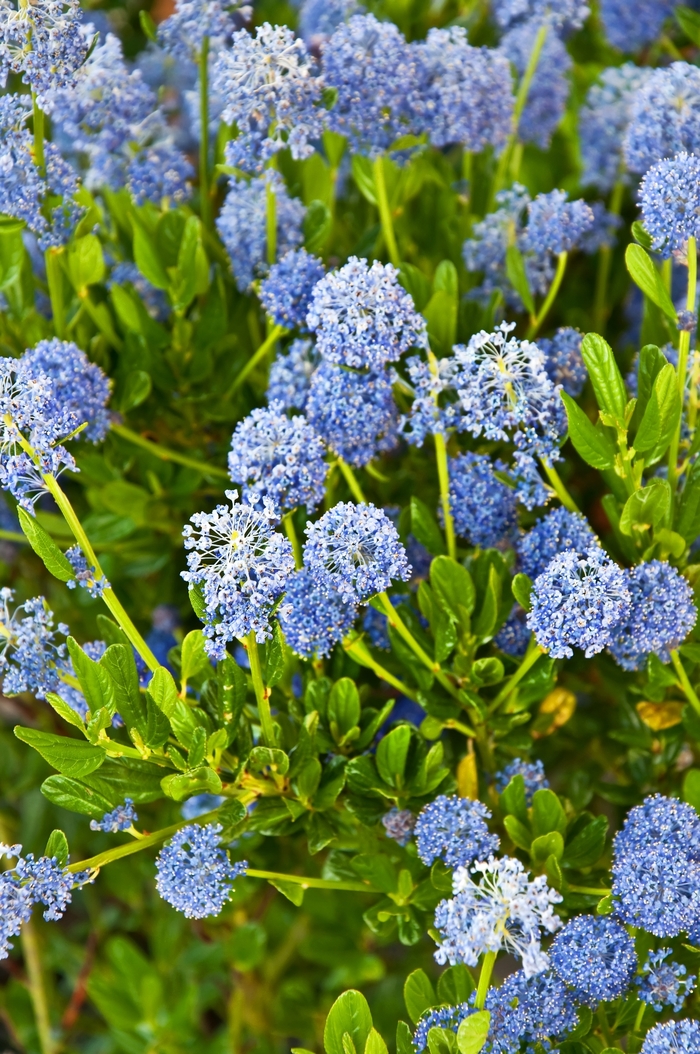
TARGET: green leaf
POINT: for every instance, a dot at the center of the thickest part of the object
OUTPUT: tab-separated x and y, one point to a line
517	276
641	235
521	588
441	1041
197	601
147	258
586	848
547	813
156	730
274	657
350	1013
473	1032
661	416
376	869
11	256
45	547
519	833
293	891
424	527
163	691
95	682
454	588
344	706
57	847
76	797
182	786
69	715
605	375
446	278
651	362
485	621
194	659
72	757
691	788
546	845
590	442
689	21
317	225
148	26
85	262
440	314
646	508
455	985
135	390
261	758
419	995
119	662
688	516
392	754
363	175
645	275
513	799
375	1044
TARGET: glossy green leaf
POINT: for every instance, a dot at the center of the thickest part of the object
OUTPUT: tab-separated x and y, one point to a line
473	1032
45	547
350	1013
72	757
419	994
644	273
661	416
605	375
647	508
590	442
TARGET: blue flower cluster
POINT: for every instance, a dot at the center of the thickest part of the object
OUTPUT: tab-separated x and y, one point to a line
664	117
532	773
673	1037
603	123
563	360
30	655
354	413
286	292
291	373
595	957
670	201
454	830
399	824
434	408
555	224
42	42
483	508
661	615
194	873
119	819
192	22
560	531
664	983
313	618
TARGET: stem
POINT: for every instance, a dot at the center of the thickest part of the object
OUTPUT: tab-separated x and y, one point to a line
291	532
559	488
12	536
352	481
385	212
204	192
39	136
164	454
271	224
37	989
275	333
444	479
358	651
683	350
310	883
590	891
484	979
109	596
600	311
402	629
604	1027
550	298
262	694
690	693
640	1016
527	662
54	277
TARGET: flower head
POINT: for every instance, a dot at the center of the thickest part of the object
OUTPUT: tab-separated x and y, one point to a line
549	90
561	14
194	874
563	360
664	983
362	317
435	407
399	825
271	93
160	172
656	867
85	575
532	773
277	457
660	618
454	830
555	224
670	201
673	1037
355	550
503	909
42	41
514	636
540	1008
313	619
78	387
286	292
183	33
595	956
291	373
558	532
483	508
630	28
318	19
354	413
664	117
603	121
29	650
119	819
242	565
578	602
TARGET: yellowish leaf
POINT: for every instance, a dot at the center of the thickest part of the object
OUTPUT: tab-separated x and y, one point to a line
658	716
467	779
555	710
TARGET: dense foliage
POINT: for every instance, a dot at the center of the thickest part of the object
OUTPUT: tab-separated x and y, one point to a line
349	454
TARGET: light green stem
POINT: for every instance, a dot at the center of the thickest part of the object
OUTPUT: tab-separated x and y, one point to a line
604	1027
291	532
559	488
271	224
520	101
39	135
37	988
310	883
484	979
352	481
164	454
683	350
600	310
690	693
54	278
537	321
204	191
361	654
444	481
640	1016
404	632
262	694
385	212
590	891
272	337
12	536
527	662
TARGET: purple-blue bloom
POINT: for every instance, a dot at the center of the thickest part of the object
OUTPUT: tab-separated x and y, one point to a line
664	117
313	618
30	654
673	1037
532	773
183	33
434	408
549	90
603	121
399	825
661	616
595	957
670	202
354	413
119	819
555	224
448	1017
562	14
514	636
630	27
41	41
484	509
557	532
286	292
291	373
79	387
563	360
318	19
664	983
194	874
85	575
454	830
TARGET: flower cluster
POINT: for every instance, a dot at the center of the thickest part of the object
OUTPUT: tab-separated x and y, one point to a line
42	42
313	618
664	983
483	508
30	655
662	613
595	957
454	830
119	819
194	874
532	773
286	292
354	413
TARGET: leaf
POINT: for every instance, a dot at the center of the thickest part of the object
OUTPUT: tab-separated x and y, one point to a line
350	1013
587	847
546	845
293	891
661	416
57	848
193	656
95	681
274	657
590	442
147	258
605	375
74	796
519	834
148	26
691	788
375	1044
659	716
69	715
363	175
547	812
513	799
392	754
119	662
645	275
454	588
11	256
45	547
182	786
646	508
440	314
688	517
467	776
517	276
156	730
317	225
163	691
424	527
72	757
135	390
521	588
641	235
261	758
344	706
651	362
455	985
473	1032
85	262
197	601
419	995
689	21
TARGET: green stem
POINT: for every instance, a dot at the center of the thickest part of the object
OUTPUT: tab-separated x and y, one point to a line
600	309
54	278
590	891
484	979
271	224
402	629
683	351
604	1027
129	848
559	488
385	212
39	135
640	1016
550	298
526	663
262	694
275	333
310	883
690	692
291	532
357	650
164	454
204	191
352	481
109	596
444	481
37	989
12	536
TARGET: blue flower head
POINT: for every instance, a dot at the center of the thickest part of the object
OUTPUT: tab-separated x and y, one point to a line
78	386
603	121
514	636
656	867
448	1017
483	508
362	317
29	649
664	983
291	373
594	956
42	42
540	1009
670	200
558	532
399	825
159	173
271	93
355	550
555	224
183	33
278	457
466	93
242	225
454	830
673	1037
563	360
660	618
286	292
434	408
318	19
354	413
549	90
313	618
194	874
242	565
560	14
119	819
532	773
578	602
630	27
664	117
85	575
